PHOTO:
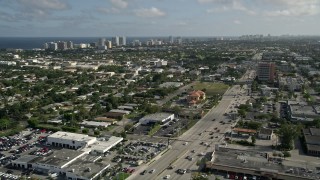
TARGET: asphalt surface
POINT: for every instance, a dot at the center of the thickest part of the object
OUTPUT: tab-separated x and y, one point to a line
179	150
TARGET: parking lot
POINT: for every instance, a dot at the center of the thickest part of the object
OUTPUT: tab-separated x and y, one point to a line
134	152
27	142
169	129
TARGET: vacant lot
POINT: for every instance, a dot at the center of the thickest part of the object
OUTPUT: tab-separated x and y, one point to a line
211	88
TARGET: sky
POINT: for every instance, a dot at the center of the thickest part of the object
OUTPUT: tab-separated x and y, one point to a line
105	18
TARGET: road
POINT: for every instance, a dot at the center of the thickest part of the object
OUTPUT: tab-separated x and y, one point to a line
176	155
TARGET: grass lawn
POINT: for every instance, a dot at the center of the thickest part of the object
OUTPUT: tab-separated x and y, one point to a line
211	88
121	176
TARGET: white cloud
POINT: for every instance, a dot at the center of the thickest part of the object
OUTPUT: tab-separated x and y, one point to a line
230	5
108	10
33	9
237	22
119	3
303	11
149	13
183	23
270	8
44	4
294	8
213	1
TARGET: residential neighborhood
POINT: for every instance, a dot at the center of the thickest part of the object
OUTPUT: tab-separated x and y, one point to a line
192	109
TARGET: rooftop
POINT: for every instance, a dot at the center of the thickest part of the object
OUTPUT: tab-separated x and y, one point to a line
257	161
302	110
312	131
244	130
314	140
156	116
312	147
95	123
102	145
71	136
86	166
26	158
265	131
58	158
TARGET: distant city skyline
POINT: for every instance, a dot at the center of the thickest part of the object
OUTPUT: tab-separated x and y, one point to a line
141	18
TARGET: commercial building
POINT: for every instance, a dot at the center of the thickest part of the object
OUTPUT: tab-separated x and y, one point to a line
265	133
160	118
291	83
70	140
266	71
109	44
62	45
136	43
86	168
302	112
115	41
70	45
171	39
52	46
122	41
73	164
312	140
101	42
250	164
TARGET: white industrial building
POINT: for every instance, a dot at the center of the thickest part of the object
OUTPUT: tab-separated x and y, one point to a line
160	118
70	140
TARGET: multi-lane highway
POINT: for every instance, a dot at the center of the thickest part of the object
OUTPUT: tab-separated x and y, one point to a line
204	132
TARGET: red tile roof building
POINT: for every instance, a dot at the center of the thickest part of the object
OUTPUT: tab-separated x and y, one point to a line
196	97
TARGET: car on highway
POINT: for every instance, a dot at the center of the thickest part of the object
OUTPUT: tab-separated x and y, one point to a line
167	176
185	143
143	172
152	171
181	171
189	158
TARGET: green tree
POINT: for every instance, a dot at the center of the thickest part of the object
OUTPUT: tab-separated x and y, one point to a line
85	131
96	132
253	140
242	113
152	109
288	133
33	122
4	123
286	154
108	106
123	134
128	126
316	123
